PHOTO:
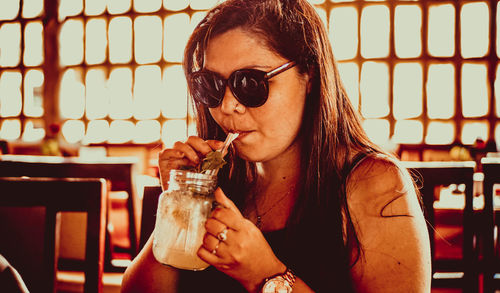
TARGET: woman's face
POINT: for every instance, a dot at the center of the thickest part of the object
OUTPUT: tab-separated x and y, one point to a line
268	131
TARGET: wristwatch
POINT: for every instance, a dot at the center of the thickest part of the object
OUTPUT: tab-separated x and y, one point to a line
281	283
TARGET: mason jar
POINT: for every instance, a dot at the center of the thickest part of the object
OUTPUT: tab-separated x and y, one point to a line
180	220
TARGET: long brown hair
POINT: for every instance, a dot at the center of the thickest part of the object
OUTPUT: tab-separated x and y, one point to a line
331	129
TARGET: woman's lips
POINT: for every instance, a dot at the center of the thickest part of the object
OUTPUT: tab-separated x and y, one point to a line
242	134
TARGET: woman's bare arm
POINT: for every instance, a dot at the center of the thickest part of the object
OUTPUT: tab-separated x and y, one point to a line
145	274
395	248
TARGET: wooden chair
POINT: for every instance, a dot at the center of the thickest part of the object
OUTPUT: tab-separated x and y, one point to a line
490	220
118	171
148	218
429	176
37	261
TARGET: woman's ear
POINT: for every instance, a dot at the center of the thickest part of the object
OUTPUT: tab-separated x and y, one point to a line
310	78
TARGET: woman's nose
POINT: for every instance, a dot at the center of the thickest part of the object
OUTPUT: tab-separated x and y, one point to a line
230	104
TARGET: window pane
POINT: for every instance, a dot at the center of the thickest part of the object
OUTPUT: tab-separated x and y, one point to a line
344	32
147	92
175	5
203	4
174	93
96	41
172	131
121	131
33	44
118	6
497	91
408	131
120	91
72	95
349	73
33	93
73	130
374	90
97	132
148	39
497	136
31	8
474	27
120	40
11	129
69	8
147	131
440	133
10	94
474	90
408	26
94	7
176	35
473	130
375	31
407	89
10	44
441	91
33	130
97	99
377	130
147	5
9	9
441	30
71	42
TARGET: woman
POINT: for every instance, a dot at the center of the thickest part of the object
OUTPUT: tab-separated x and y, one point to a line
306	198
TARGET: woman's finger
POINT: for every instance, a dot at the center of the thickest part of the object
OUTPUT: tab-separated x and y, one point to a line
223	200
201	146
215	144
188	151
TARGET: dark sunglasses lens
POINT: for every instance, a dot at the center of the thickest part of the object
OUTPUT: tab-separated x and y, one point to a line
250	87
207	88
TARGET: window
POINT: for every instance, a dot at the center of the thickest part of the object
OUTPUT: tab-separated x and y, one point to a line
420	72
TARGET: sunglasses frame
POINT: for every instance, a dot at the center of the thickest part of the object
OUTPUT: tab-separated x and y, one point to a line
267	75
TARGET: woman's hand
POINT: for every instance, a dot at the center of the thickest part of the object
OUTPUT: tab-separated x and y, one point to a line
244	254
185	154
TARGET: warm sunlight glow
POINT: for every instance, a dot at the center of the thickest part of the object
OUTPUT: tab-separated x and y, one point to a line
407	31
10	94
147	131
147	92
497	135
174	93
97	99
9	9
31	8
440	89
10	44
473	130
349	73
73	130
322	15
474	90
119	6
408	131
206	4
33	131
175	36
120	93
71	42
497	92
121	131
175	5
147	39
72	95
96	41
377	130
120	40
33	100
344	32
172	131
94	7
97	132
33	44
407	90
11	129
375	31
440	133
374	89
441	36
474	28
144	6
69	8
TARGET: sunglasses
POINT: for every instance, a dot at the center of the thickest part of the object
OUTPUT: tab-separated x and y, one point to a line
249	86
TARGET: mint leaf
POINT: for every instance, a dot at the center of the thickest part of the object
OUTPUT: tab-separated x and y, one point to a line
213	160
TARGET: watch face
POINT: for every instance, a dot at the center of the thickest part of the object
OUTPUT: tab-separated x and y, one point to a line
277	285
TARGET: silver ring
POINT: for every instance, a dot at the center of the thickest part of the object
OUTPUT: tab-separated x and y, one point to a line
222	236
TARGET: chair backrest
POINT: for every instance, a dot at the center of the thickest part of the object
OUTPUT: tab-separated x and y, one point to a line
118	171
149	206
491	170
54	195
430	175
